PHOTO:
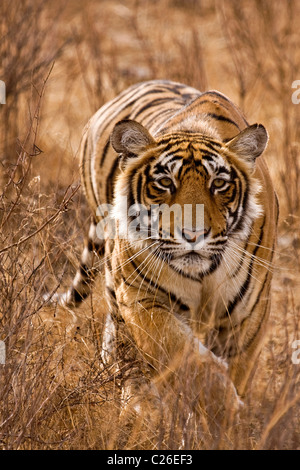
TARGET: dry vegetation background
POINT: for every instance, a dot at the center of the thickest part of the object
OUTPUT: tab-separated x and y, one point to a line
60	62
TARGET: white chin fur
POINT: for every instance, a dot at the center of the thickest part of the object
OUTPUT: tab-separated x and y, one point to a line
192	268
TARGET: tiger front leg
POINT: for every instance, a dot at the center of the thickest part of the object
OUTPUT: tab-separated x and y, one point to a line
177	359
140	404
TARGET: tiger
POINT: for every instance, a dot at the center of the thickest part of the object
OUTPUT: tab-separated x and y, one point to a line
203	294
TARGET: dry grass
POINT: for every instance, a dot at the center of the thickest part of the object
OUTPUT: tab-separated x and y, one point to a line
60	64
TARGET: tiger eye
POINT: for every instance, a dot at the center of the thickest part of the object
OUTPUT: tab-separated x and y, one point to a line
166	182
219	183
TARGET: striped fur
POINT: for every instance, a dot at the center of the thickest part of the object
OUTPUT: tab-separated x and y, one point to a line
187	148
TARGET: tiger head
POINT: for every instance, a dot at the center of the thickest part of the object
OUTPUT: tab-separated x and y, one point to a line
207	188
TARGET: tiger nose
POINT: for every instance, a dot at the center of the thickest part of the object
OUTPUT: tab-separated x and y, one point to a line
193	235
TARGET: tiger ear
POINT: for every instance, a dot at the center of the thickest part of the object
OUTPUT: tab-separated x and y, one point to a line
130	138
250	143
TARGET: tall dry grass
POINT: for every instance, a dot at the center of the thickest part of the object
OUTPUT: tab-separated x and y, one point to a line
60	64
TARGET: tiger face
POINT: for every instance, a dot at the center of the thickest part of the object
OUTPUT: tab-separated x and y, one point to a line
199	192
